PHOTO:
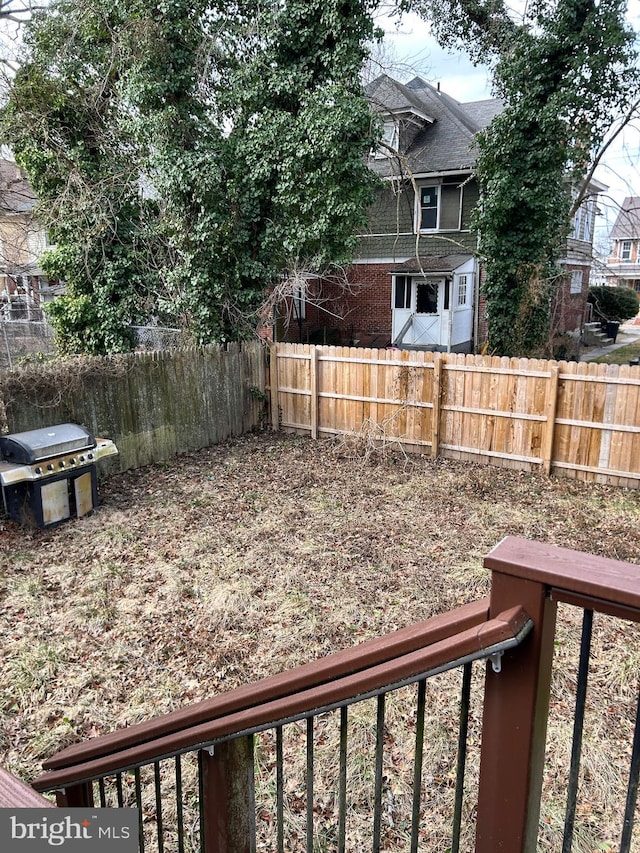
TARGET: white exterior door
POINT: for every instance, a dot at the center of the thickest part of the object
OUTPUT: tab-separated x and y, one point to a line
418	311
428	300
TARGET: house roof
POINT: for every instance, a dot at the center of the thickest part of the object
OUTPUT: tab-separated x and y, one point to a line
16	195
627	224
447	144
432	264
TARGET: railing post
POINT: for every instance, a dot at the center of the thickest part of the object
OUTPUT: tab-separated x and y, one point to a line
228	807
515	724
75	796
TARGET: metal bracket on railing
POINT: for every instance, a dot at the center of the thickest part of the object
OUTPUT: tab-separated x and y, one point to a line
210	750
496	661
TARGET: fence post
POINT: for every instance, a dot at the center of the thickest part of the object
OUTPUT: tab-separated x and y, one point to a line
228	807
75	796
273	383
514	724
552	402
435	411
313	379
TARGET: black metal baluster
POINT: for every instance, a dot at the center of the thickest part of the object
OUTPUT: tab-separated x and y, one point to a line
417	767
377	801
310	785
179	810
158	792
279	791
138	788
119	790
103	795
342	780
201	799
578	725
465	695
632	789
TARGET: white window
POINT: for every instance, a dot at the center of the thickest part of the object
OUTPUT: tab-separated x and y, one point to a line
575	285
462	291
299	302
427	297
625	250
390	140
583	221
402	295
439	207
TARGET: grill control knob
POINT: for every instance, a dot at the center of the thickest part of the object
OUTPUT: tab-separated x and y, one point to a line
72	461
61	463
38	470
49	467
89	455
82	458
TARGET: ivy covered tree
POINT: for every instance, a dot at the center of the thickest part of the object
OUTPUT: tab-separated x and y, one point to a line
187	154
62	122
564	71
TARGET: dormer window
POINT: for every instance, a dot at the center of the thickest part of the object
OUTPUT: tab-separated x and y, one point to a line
390	140
625	250
400	127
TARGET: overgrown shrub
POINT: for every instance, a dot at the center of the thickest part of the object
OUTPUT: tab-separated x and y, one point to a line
613	303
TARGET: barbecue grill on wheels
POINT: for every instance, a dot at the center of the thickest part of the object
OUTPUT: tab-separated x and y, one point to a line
48	475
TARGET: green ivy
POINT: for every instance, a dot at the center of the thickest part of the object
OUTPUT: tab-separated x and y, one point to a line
565	71
246	125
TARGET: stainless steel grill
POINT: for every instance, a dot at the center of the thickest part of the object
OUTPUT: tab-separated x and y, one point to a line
48	475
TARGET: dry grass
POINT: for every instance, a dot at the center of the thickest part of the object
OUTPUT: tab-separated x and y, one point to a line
248	558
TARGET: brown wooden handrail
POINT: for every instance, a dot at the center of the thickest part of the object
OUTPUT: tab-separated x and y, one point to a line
462	645
536	575
567	571
337	665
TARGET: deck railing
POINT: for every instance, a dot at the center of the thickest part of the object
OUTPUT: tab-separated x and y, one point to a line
202	776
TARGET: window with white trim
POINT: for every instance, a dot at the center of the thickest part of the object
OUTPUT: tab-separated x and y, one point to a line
625	250
390	140
427	297
462	291
439	207
575	285
402	295
583	221
299	302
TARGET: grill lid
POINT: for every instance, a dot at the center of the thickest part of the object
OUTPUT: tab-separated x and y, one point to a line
28	447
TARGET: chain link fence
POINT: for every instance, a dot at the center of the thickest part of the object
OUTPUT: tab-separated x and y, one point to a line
22	338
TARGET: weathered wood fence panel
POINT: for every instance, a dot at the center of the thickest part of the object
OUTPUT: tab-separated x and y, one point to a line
575	419
152	404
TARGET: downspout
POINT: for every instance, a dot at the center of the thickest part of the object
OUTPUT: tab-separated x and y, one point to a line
448	282
476	304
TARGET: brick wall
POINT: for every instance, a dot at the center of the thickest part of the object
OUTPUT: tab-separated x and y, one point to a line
358	309
568	309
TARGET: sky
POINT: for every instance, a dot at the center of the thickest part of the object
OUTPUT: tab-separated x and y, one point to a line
416	52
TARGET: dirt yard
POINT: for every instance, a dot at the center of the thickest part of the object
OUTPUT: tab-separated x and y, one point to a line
242	560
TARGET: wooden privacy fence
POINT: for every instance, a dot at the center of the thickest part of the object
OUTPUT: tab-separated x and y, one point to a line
574	419
152	404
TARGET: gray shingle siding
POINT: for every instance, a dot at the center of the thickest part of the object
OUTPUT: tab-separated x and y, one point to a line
391	234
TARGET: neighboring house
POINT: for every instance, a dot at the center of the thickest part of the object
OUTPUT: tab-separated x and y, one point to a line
416	278
23	286
623	264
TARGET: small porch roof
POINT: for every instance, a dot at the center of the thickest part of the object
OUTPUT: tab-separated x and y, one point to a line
431	264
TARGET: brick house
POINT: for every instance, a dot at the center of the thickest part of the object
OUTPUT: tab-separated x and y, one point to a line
415	281
23	285
623	264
